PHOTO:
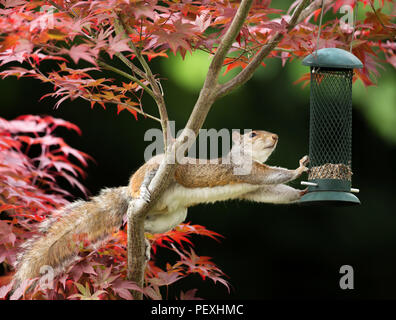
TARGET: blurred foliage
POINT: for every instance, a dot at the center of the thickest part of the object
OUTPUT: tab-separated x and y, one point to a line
378	104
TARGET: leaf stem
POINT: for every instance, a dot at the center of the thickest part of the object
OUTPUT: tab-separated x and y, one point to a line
127	106
126	75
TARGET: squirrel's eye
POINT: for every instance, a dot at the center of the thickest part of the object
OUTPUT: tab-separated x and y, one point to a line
253	134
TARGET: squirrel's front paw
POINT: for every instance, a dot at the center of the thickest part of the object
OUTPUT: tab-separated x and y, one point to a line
304	162
302	168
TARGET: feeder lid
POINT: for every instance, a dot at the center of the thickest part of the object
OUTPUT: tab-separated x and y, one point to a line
332	58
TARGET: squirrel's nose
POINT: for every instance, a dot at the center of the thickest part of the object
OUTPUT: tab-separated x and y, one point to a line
274	137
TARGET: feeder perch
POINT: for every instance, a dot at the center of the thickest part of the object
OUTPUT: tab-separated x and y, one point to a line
330	136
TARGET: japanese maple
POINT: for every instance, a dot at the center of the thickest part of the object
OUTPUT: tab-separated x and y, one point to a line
99	31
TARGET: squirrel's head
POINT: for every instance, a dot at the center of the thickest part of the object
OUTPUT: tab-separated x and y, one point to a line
258	144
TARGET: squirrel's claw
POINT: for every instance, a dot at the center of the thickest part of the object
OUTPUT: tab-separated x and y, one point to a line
148	250
145	194
303	192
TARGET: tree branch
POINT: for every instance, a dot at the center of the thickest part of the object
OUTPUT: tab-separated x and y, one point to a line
315	5
122	28
247	73
226	43
130	65
137	214
136	249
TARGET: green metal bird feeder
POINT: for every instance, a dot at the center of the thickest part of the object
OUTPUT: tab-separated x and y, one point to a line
330	137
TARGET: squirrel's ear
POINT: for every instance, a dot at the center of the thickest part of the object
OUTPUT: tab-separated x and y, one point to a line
236	137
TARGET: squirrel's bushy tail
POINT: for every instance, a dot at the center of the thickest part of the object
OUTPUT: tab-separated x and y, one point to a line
92	220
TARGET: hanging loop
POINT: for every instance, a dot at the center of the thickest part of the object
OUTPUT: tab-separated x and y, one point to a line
355	13
320	25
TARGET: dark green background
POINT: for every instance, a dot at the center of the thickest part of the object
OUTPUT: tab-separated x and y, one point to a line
269	251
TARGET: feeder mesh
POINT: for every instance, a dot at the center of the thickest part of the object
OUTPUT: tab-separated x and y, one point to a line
330	124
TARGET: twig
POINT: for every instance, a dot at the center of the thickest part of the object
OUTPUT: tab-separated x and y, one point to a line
315	5
377	16
226	43
247	73
130	65
125	29
122	28
126	75
53	3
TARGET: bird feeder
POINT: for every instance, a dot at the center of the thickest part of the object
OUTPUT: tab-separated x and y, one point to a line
330	135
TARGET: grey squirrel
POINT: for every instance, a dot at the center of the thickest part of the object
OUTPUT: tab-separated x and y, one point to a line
193	183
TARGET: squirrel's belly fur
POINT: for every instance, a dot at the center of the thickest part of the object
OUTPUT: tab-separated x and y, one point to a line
177	196
171	209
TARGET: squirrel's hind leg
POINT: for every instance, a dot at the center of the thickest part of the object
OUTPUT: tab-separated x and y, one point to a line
278	193
163	222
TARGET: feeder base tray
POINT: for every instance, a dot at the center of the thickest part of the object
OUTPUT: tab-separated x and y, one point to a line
329	198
